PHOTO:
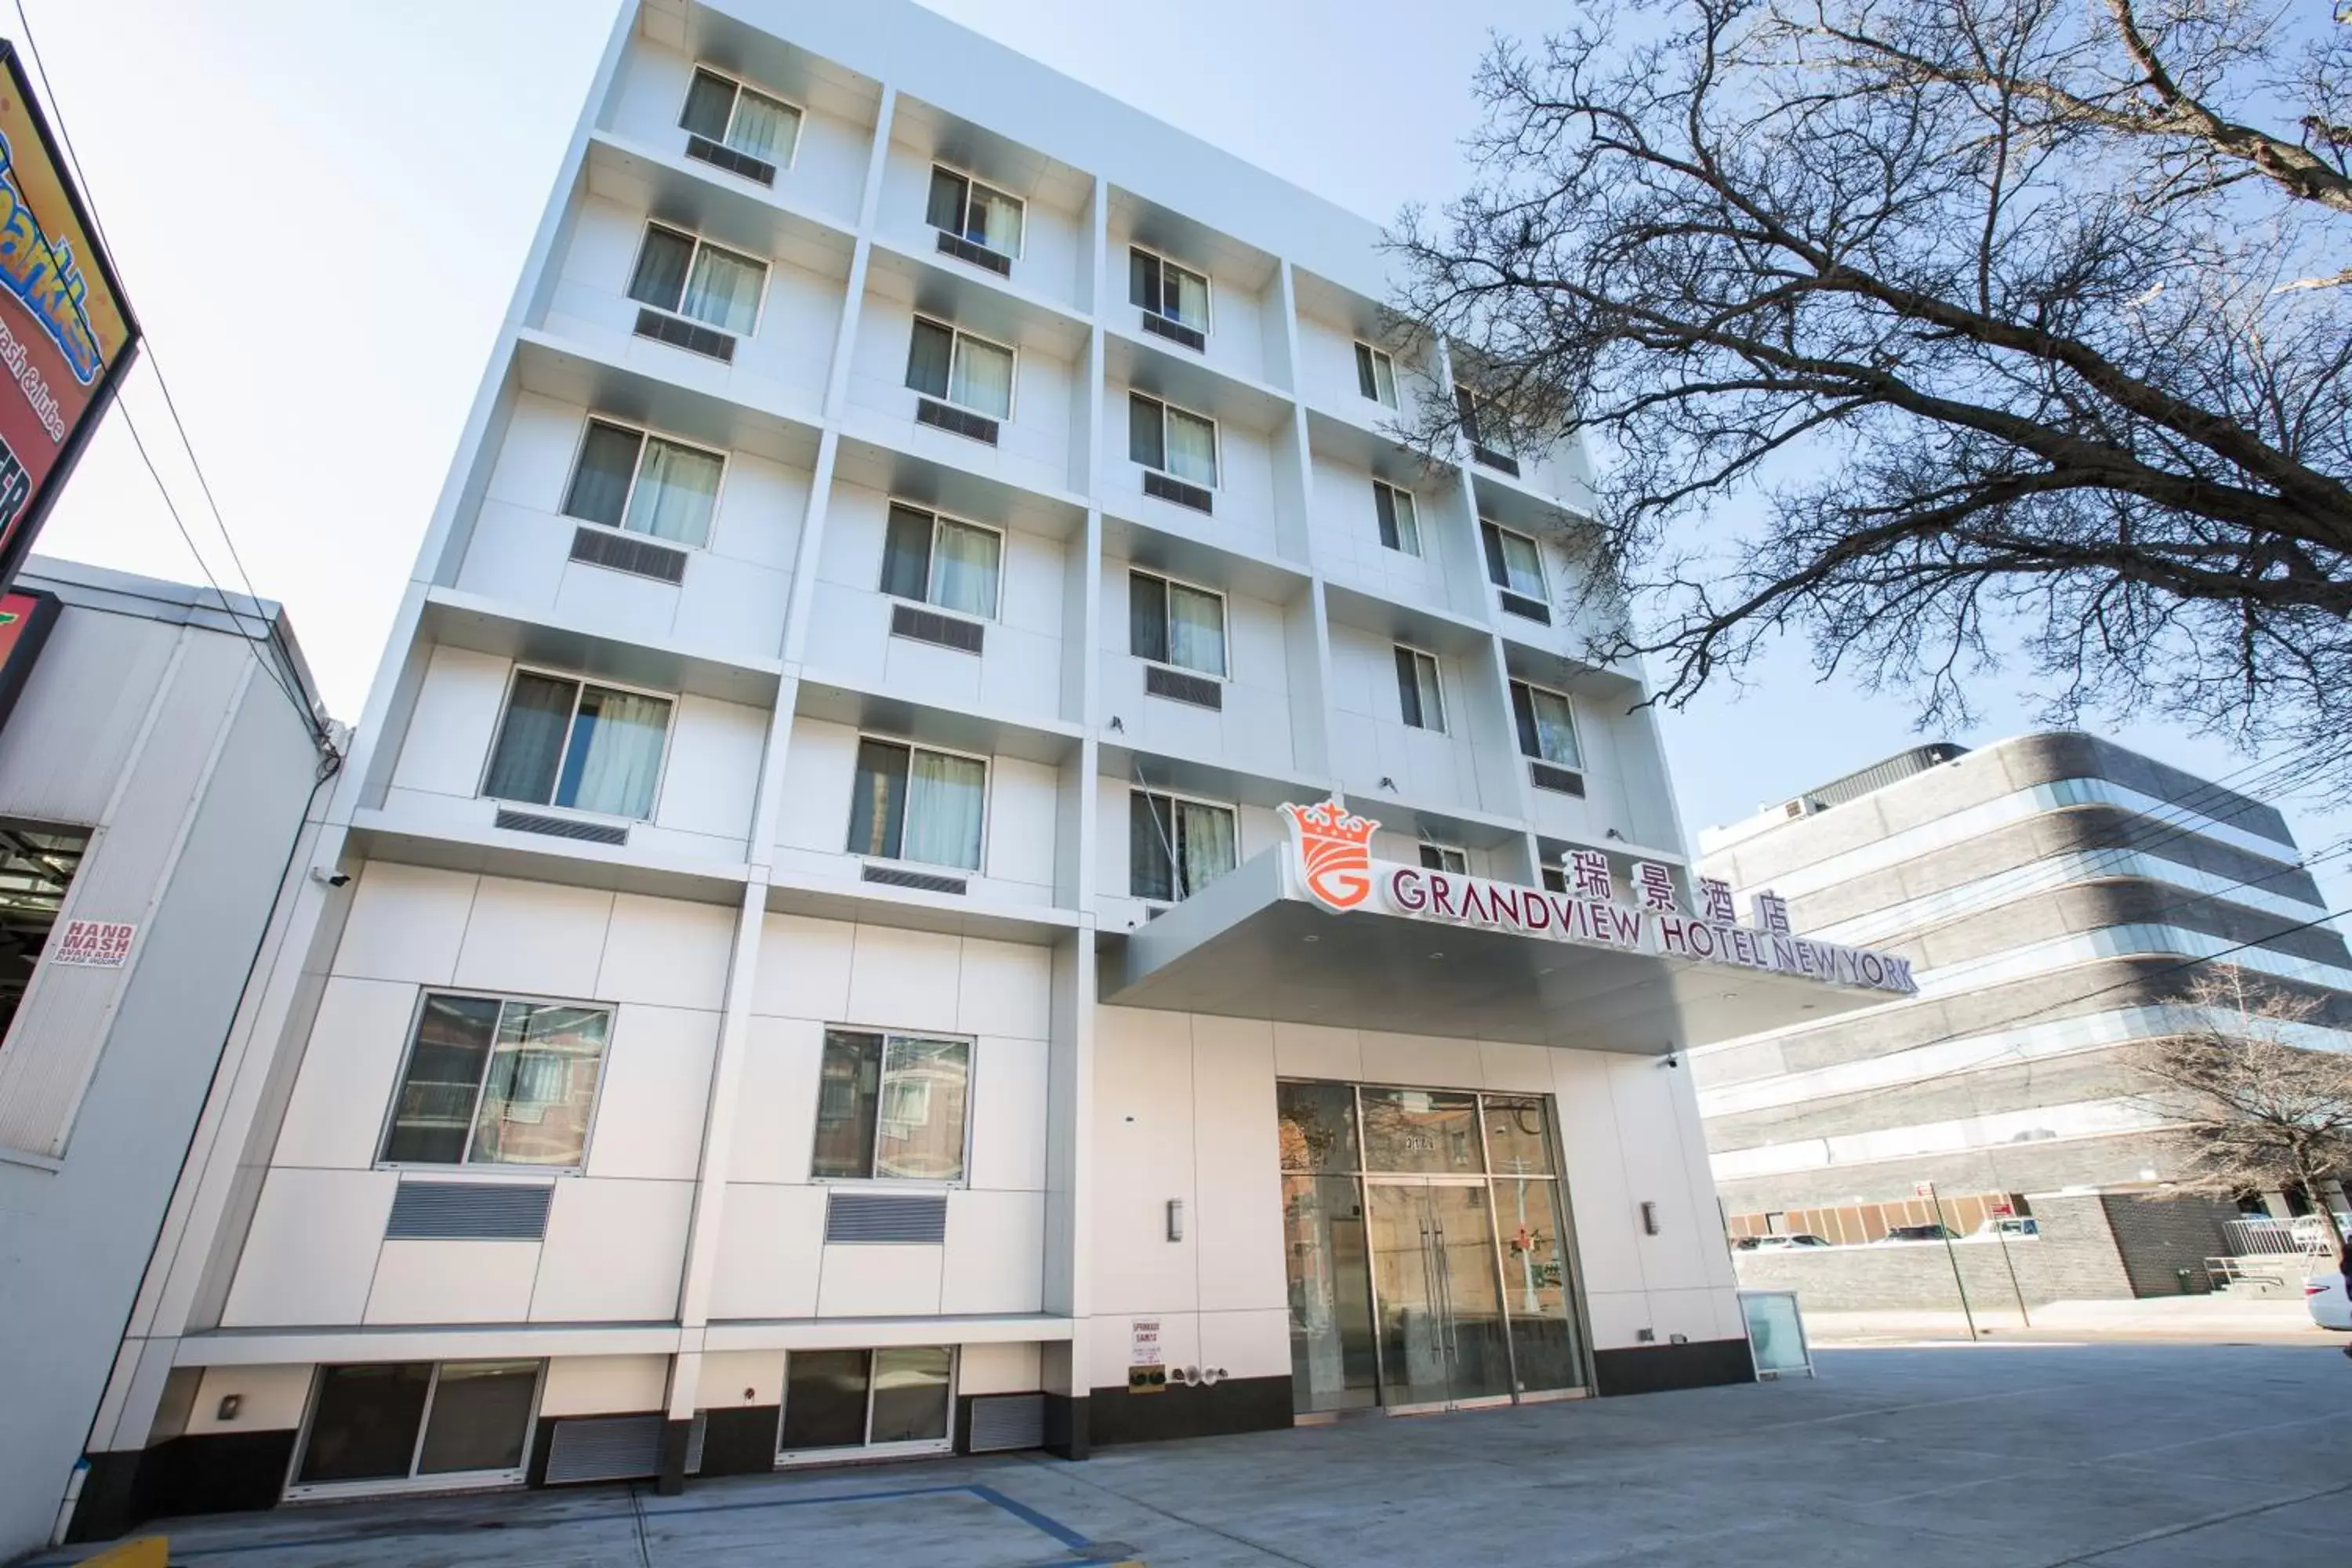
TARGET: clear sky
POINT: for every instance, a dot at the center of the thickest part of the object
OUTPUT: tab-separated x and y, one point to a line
320	207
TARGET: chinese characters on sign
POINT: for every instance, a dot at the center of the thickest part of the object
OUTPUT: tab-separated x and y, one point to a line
1654	886
1588	876
96	944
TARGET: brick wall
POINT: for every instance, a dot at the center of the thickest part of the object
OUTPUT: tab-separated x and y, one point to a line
2159	1237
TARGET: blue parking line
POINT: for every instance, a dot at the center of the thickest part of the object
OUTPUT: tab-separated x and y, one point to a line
1071	1539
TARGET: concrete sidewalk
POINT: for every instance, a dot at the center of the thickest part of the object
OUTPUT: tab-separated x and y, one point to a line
2000	1456
2207	1319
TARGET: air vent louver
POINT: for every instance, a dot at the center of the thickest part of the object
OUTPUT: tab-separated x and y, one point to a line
1175	684
469	1211
931	627
1521	605
962	249
919	1218
955	421
622	553
1156	483
562	827
719	156
1175	331
921	881
1488	458
681	333
1004	1422
1560	780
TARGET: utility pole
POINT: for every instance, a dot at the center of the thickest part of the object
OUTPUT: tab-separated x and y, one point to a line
2007	1209
1928	1191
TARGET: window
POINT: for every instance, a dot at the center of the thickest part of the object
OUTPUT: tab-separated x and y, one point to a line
1513	562
390	1421
1400	519
631	480
1547	725
1161	437
1441	857
495	1081
1174	624
956	367
1466	404
1176	846
1375	376
734	116
1555	878
891	1106
591	748
909	803
936	560
964	207
689	276
1167	291
1417	693
849	1399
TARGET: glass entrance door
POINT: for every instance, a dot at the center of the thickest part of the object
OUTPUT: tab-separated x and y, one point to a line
1440	1309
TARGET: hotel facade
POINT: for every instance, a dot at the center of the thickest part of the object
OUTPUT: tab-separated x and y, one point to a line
807	958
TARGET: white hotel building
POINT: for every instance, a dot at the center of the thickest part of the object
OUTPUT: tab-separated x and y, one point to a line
919	521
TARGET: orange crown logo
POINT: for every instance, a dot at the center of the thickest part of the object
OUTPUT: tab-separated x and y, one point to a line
1335	851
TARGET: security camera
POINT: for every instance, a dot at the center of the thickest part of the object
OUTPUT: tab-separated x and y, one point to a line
319	873
1671	1059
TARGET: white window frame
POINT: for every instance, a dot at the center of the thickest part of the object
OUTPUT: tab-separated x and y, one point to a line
766	265
1430	845
1013	385
993	188
743	85
938	516
1216	439
1380	357
525	1176
1436	682
645	434
661	774
987	801
1231	809
1208	290
1225	634
1413	501
789	1459
440	1481
870	1182
1543	568
1575	726
1485	438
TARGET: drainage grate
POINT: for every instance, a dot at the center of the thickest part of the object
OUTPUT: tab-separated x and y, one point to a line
639	557
929	625
1560	780
469	1211
1175	331
562	827
1006	1421
1156	483
962	249
923	881
890	1217
955	421
1520	604
719	156
1197	690
692	336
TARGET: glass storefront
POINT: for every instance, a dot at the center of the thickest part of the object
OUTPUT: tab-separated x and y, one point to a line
1423	1235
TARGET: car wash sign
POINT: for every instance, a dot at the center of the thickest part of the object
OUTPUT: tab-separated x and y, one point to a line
1332	855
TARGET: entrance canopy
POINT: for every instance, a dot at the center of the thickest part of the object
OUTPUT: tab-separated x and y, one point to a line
1426	952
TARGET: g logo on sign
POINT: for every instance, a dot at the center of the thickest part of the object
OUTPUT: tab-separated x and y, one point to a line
1335	852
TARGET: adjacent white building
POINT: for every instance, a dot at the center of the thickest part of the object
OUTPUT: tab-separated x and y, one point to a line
920	520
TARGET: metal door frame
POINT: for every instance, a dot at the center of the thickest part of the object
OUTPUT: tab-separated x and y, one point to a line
1379	1353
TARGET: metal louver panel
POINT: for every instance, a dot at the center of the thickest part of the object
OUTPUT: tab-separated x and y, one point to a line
1520	604
605	1448
1175	331
680	333
639	557
1197	690
721	156
955	421
469	1211
562	827
922	881
962	249
1550	776
890	1217
1156	483
1006	1421
929	625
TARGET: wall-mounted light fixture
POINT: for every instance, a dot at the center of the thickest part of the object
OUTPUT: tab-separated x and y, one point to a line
230	1404
1175	1219
1649	1218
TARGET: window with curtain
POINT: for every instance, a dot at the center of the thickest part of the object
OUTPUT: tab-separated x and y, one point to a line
688	275
1441	857
1171	440
494	1081
1418	695
629	479
963	206
1400	519
736	116
891	1106
938	561
1466	404
1547	725
956	367
1176	846
1513	562
1173	623
1375	376
591	748
1167	290
909	803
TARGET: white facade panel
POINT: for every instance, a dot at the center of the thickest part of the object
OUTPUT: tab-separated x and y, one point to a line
613	1252
336	1118
310	1255
655	1085
453	1282
769	1246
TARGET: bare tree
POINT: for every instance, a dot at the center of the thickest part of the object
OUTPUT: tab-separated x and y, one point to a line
2249	1110
2018	327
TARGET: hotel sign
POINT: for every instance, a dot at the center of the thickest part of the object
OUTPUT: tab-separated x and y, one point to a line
1332	855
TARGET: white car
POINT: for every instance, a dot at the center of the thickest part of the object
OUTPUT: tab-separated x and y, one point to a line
2331	1307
